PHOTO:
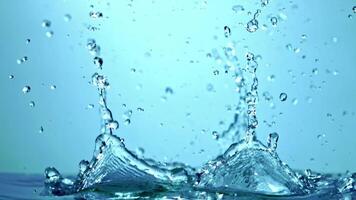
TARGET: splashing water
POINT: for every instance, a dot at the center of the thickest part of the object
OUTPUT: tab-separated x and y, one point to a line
246	167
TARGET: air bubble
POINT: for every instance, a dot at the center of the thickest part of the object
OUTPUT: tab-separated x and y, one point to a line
26	89
238	8
98	62
32	104
252	26
227	31
283	96
274	21
22	60
67	17
46	23
49	34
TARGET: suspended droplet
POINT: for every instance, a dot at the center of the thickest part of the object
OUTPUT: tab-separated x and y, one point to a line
49	34
32	104
26	89
309	100
252	26
22	60
264	3
315	71
41	129
46	23
90	106
274	21
11	76
272	141
127	122
289	47
98	62
216	72
295	101
283	96
140	109
354	9
93	14
140	151
271	78
28	41
113	125
67	17
215	135
53	87
227	31
238	8
169	90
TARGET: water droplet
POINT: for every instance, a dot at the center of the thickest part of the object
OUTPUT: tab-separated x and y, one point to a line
32	104
309	100
295	101
315	71
53	87
112	125
22	60
227	31
321	136
210	87
11	76
216	72
354	9
169	90
98	62
127	122
140	109
274	21
264	3
41	129
140	151
238	8
28	41
93	14
252	26
46	23
271	78
26	89
272	141
283	96
90	106
289	47
67	17
93	48
215	135
335	39
49	34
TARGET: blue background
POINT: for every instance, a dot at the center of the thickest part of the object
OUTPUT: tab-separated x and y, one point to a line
166	42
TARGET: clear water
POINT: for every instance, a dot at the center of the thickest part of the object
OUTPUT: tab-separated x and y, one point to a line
244	168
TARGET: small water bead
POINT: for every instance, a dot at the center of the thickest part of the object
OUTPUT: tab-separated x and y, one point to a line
127	122
93	48
216	72
283	96
67	17
93	14
113	125
227	31
26	89
11	76
28	41
315	71
98	62
354	9
274	21
32	104
90	106
215	135
238	8
295	101
264	3
252	26
140	109
46	23
272	141
22	60
271	78
49	34
41	129
53	87
289	47
309	100
168	90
